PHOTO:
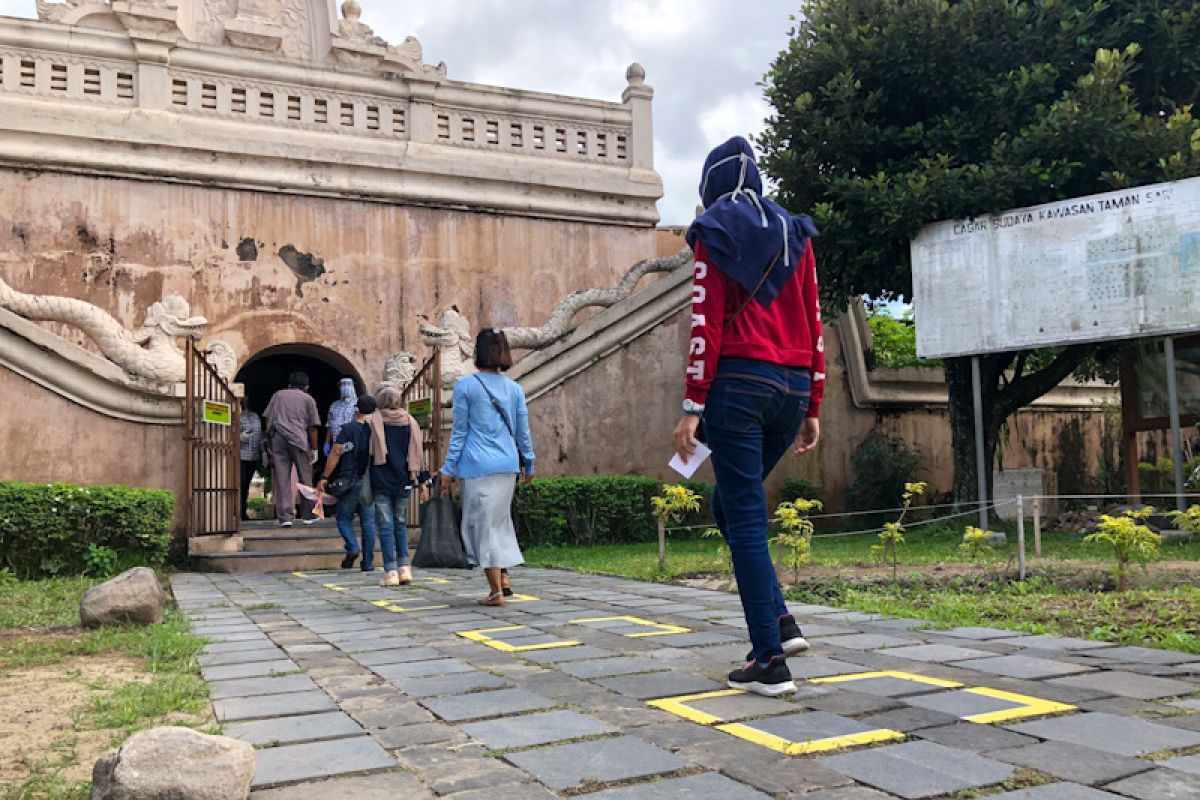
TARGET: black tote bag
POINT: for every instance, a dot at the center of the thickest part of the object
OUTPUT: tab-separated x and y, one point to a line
441	545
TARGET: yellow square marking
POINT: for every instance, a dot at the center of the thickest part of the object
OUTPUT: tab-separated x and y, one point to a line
299	574
335	588
482	637
516	597
680	708
660	628
1028	706
904	676
388	605
430	579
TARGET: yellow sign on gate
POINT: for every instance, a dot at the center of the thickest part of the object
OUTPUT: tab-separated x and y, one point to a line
218	413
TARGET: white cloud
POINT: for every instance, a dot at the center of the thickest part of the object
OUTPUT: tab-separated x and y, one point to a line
703	58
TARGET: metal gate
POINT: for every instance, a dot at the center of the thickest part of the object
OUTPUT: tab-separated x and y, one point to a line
213	451
423	399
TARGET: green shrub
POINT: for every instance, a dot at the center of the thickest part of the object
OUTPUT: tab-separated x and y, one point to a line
50	529
882	467
794	489
599	509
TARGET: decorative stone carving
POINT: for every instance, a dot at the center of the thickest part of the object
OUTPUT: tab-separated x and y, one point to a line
400	369
58	12
452	335
149	352
256	26
223	359
559	323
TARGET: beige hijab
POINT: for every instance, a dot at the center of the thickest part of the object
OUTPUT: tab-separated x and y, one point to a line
391	412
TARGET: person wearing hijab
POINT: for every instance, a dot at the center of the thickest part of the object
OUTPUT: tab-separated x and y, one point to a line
341	412
490	445
754	383
397	464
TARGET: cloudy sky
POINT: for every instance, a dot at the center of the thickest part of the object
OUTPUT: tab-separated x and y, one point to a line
705	79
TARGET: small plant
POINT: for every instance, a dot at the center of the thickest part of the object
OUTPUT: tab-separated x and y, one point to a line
892	536
8	578
975	545
723	552
1130	541
796	530
100	561
883	466
1188	520
672	505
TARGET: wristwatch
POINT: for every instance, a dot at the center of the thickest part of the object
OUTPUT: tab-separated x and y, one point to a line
692	408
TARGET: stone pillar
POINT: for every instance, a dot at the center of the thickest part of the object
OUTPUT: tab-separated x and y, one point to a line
638	97
421	125
153	81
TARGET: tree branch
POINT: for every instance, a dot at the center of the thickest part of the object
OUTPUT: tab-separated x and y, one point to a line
1023	390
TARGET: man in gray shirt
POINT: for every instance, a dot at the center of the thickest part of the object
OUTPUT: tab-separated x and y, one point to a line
291	421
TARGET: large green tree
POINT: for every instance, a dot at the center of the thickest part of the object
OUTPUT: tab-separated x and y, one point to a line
891	114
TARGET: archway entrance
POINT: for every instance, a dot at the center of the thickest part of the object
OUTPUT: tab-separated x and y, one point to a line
267	372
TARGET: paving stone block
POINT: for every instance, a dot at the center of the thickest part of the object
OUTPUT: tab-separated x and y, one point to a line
385	786
697	639
679	735
809	666
708	784
570	765
889	687
659	684
935	652
273	705
1159	784
920	769
299	762
978	633
1110	733
225	658
481	705
609	667
1128	684
1190	764
1026	667
561	654
865	641
961	703
533	729
979	738
1147	655
770	772
249	687
1073	762
908	719
737	707
379	658
397	737
1041	642
290	730
808	725
849	703
256	669
1057	791
423	669
449	684
847	793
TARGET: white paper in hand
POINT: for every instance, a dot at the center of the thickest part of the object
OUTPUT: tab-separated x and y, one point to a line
698	458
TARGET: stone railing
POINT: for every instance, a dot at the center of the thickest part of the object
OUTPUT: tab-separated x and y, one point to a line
51	74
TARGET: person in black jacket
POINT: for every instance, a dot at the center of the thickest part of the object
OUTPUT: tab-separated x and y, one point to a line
350	457
397	465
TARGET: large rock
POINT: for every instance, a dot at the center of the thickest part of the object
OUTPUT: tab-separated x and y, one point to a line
175	764
132	596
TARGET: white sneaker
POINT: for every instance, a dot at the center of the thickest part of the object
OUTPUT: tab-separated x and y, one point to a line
287	524
405	575
390	578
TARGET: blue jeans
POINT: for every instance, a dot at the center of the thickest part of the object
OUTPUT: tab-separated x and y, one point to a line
752	415
347	506
392	511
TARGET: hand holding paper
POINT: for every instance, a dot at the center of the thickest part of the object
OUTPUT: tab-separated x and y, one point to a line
694	462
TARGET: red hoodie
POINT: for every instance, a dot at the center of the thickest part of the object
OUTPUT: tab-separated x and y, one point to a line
787	333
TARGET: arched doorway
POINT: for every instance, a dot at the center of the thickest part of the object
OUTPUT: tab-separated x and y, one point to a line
267	372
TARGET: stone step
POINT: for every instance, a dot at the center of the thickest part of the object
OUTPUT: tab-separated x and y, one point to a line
250	561
291	541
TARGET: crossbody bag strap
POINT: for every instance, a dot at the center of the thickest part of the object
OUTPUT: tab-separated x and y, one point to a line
761	281
500	411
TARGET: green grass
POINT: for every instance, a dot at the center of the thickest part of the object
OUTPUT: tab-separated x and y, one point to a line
1059	603
45	615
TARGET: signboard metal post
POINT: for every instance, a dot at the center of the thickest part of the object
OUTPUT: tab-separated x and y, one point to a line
980	462
1173	410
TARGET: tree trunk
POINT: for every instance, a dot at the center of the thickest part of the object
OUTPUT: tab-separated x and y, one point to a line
1003	394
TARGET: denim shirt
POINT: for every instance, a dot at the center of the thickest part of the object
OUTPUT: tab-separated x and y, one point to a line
480	444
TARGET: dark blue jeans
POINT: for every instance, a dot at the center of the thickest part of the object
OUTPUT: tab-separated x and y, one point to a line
347	506
392	513
752	415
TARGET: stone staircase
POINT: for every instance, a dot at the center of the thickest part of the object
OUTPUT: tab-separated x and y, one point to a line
266	547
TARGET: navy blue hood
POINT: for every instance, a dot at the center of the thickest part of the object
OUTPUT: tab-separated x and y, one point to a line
745	233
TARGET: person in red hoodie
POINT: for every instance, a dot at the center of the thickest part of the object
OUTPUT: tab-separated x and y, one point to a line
755	378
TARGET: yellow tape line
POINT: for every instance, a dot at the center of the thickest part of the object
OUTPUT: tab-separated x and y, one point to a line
781	745
481	636
299	574
904	676
1029	706
678	707
335	588
662	628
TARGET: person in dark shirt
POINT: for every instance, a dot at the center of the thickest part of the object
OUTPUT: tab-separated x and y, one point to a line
398	455
350	457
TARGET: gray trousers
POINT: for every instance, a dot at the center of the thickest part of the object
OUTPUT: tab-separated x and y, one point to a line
284	456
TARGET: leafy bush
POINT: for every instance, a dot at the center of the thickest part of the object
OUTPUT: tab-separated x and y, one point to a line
796	531
882	466
895	340
47	529
1130	540
794	489
598	509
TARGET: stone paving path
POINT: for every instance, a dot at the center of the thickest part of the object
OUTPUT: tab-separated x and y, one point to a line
613	689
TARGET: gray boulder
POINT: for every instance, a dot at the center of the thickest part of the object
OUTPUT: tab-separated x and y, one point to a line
175	764
132	596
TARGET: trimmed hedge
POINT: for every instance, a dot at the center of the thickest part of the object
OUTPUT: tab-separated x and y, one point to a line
46	528
600	509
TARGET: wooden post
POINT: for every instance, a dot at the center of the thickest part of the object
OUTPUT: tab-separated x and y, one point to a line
662	545
1020	537
1037	526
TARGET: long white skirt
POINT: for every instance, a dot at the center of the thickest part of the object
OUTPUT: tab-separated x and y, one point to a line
487	527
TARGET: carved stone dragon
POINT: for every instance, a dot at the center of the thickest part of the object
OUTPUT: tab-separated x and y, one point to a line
400	369
452	335
149	352
559	323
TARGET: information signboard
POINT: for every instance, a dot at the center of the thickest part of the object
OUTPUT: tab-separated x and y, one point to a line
218	413
1119	265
